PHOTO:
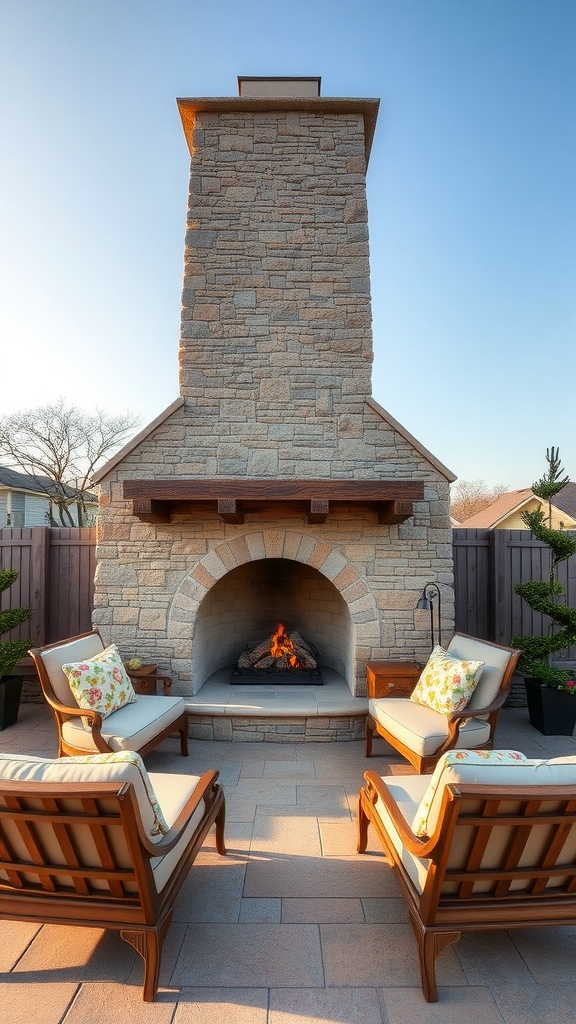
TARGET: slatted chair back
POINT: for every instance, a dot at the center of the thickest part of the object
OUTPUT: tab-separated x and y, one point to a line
75	853
477	855
64	841
507	852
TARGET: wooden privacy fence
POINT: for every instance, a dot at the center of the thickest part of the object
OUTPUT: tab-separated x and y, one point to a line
487	566
57	581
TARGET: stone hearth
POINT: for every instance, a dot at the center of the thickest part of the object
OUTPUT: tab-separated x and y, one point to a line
274	488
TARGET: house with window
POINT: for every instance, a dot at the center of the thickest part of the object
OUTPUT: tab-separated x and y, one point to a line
505	512
25	501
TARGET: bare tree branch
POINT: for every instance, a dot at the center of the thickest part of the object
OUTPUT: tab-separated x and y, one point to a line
471	496
65	446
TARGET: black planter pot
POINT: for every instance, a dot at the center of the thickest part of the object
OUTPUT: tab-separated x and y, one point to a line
10	693
551	711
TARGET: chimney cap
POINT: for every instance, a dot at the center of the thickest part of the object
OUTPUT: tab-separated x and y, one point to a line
260	87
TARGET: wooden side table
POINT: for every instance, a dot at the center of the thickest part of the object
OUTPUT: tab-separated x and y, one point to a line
144	680
391	678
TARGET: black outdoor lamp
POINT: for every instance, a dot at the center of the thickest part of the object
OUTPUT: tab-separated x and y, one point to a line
426	603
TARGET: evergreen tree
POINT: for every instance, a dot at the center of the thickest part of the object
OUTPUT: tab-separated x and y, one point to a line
11	651
544	595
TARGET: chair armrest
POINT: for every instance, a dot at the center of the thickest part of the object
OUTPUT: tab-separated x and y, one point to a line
74	712
65	711
478	712
206	790
412	842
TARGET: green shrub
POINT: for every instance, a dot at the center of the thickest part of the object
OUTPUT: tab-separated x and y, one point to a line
11	651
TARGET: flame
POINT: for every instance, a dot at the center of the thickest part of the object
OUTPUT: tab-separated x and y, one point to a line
282	646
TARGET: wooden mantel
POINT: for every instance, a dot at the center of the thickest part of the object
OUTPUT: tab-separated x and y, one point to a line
154	501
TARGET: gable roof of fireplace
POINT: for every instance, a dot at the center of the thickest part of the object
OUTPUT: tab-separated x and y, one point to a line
155	499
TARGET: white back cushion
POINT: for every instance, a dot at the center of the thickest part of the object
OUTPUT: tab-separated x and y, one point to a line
488	768
75	650
117	767
495	663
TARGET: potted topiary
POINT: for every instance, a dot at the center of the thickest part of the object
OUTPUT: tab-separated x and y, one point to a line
10	653
550	690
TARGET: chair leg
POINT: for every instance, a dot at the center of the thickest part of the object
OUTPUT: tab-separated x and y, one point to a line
430	945
369	733
149	945
220	822
363	822
183	730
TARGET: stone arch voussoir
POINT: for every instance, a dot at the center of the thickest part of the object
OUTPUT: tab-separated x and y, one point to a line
304	548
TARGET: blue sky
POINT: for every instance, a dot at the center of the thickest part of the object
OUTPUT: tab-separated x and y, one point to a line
471	193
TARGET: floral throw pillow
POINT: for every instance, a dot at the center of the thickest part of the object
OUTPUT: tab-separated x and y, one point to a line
443	772
101	683
161	826
446	683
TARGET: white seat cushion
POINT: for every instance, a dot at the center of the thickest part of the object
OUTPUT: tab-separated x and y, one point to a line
407	791
172	792
421	729
494	768
129	728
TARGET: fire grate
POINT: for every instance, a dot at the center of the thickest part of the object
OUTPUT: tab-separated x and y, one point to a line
277	677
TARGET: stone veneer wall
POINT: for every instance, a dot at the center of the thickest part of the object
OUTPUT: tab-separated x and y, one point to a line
276	346
152	580
275	358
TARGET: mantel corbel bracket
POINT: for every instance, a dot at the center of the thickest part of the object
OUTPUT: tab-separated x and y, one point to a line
391	512
319	510
148	510
230	510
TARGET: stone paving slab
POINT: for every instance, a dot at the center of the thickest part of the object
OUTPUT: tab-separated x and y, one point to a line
77	954
222	1006
375	954
254	955
36	1002
311	877
405	1005
340	1006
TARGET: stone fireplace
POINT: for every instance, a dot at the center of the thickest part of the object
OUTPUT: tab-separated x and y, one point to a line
274	488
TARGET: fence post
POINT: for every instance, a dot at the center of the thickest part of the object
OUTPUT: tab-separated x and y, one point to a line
501	584
39	585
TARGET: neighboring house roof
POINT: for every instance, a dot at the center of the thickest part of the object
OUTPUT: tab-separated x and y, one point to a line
513	502
11	479
565	500
501	508
14	481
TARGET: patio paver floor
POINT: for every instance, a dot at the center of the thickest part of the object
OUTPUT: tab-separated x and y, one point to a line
292	927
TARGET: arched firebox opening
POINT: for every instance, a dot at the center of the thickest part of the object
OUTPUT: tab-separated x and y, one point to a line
245	605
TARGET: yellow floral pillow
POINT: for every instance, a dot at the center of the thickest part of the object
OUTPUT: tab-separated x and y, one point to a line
446	683
161	826
101	683
444	772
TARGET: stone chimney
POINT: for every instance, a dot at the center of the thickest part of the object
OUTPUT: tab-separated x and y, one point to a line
276	318
274	471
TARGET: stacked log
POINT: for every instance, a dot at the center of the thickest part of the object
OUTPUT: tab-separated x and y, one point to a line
291	645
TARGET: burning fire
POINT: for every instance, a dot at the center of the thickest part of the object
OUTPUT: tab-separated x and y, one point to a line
282	647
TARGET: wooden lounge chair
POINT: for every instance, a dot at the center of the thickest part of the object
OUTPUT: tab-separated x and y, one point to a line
496	846
80	844
422	734
140	726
